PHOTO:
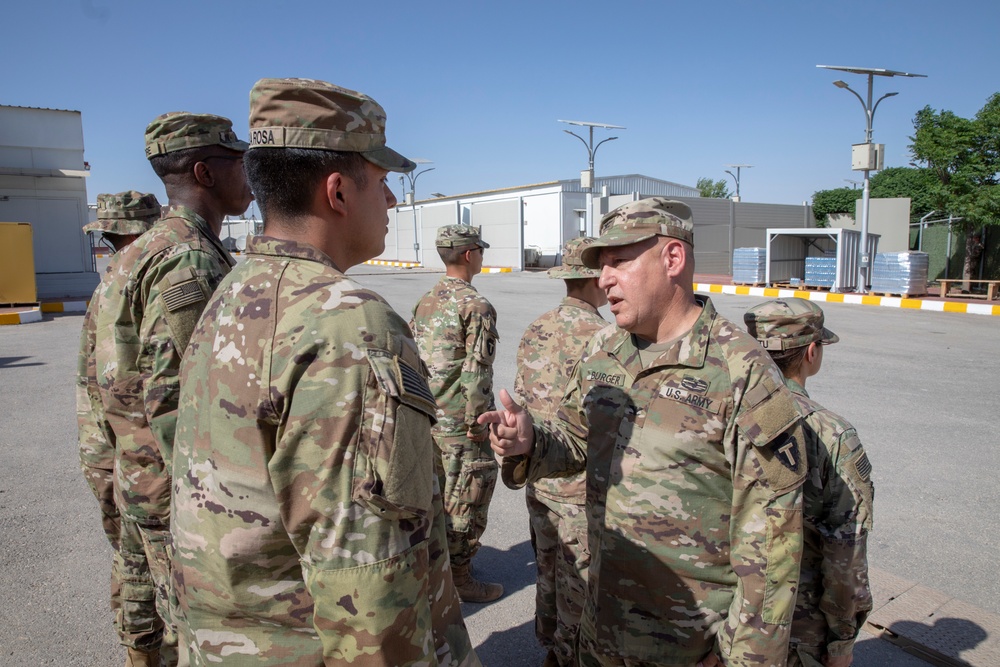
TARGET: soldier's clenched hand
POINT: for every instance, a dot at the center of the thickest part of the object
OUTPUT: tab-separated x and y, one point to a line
511	432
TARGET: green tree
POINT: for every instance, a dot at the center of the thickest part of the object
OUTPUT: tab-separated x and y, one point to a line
713	189
917	184
963	154
838	200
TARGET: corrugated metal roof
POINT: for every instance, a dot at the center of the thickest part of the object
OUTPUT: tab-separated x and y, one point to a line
17	106
618	185
629	183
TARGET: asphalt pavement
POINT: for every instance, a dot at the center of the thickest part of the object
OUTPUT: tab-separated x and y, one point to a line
919	386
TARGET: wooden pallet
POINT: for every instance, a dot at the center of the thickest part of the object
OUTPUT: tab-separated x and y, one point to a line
803	287
898	294
750	284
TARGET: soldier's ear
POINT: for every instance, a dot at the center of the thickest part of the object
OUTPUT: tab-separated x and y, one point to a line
334	191
673	257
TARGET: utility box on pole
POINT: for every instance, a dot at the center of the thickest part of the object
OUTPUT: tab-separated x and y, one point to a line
868	157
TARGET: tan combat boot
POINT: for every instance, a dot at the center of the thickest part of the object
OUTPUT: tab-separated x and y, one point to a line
139	658
473	590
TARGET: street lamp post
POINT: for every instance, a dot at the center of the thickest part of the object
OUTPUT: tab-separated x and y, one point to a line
864	263
411	196
587	177
736	176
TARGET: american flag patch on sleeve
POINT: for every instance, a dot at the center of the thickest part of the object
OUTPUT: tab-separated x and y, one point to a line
184	294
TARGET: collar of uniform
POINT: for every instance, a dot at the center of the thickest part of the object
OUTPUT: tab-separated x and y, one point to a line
573	302
688	350
270	246
189	214
796	388
452	279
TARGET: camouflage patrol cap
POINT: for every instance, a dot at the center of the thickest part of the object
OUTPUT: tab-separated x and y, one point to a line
305	113
640	220
180	130
125	213
784	324
572	264
459	236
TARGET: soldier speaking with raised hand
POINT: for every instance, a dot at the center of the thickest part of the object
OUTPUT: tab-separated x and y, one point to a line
694	457
308	526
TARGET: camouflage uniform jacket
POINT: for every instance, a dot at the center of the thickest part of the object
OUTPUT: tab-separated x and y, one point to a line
308	527
694	473
147	312
96	440
834	595
455	329
550	349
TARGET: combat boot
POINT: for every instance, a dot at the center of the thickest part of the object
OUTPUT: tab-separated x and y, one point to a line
140	658
471	589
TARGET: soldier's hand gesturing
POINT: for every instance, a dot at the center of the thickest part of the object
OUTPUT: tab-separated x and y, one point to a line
511	432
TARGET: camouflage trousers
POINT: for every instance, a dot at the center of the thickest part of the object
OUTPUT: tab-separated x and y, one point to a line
800	655
559	538
587	655
139	566
467	472
101	482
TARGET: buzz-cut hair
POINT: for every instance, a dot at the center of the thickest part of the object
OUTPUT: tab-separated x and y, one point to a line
284	180
453	256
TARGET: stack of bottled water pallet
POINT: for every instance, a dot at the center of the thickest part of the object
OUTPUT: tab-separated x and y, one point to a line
820	272
902	273
749	266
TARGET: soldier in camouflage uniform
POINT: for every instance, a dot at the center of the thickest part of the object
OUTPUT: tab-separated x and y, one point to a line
153	299
550	349
121	218
834	597
695	460
455	329
308	526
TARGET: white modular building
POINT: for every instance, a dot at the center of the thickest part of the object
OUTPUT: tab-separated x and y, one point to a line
43	181
526	226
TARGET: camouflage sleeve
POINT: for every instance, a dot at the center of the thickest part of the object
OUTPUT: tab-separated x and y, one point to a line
848	496
174	293
766	522
97	452
477	370
353	473
560	443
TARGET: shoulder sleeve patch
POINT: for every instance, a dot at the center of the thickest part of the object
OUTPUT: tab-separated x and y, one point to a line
398	379
183	291
773	425
486	346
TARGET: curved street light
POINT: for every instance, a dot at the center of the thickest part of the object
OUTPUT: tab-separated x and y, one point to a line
588	187
736	176
864	261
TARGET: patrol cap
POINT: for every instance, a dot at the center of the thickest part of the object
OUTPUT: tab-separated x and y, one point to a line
784	324
180	130
640	220
305	113
125	213
459	236
572	264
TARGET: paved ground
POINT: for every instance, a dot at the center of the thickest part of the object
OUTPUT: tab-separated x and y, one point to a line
920	387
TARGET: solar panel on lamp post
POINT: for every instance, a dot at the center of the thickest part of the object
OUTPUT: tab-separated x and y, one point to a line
588	183
864	261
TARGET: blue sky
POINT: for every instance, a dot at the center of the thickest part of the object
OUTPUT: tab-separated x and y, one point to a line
477	87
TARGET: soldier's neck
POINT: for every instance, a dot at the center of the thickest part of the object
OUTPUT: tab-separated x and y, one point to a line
460	271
